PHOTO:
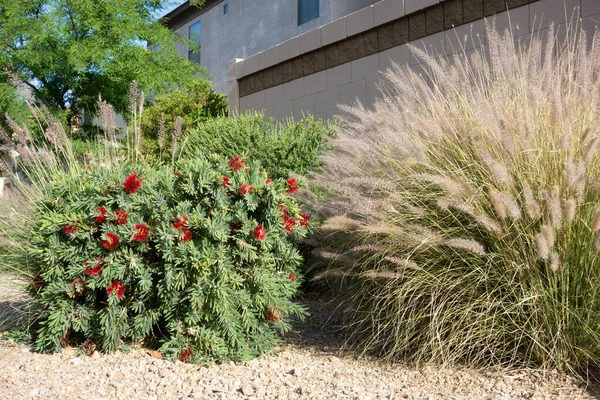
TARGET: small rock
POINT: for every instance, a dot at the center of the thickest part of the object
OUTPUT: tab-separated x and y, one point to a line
76	361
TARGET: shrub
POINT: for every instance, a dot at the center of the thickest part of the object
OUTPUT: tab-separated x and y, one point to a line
466	209
195	104
280	147
202	258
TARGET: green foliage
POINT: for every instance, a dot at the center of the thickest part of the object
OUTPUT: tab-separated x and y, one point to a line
195	103
202	280
69	53
466	210
281	147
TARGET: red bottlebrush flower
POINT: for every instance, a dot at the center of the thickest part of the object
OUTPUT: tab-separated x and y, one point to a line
95	270
282	209
101	217
292	277
268	181
304	219
260	233
187	235
69	229
289	223
177	174
141	232
225	182
79	287
121	217
88	348
246	189
275	314
246	170
292	186
37	281
111	242
180	224
236	163
116	287
132	184
184	355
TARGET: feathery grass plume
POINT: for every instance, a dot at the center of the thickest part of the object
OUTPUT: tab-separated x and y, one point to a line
491	148
339	223
531	205
108	118
555	208
133	96
175	135
20	134
162	133
467	244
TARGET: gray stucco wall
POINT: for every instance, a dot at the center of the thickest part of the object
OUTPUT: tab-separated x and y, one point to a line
322	92
252	26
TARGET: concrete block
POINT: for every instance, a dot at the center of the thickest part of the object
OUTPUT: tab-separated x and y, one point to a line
360	21
251	65
332	57
590	25
410	6
269	57
453	13
308	63
398	55
333	114
339	75
516	3
385	36
287	72
465	37
243	104
238	68
434	45
351	92
315	82
434	20
255	101
233	89
491	7
322	116
320	59
590	7
309	41
366	67
234	105
259	81
284	110
232	68
327	100
416	26
293	90
347	51
297	68
268	77
288	49
544	12
304	105
515	20
401	32
387	10
277	75
333	31
472	10
269	112
274	95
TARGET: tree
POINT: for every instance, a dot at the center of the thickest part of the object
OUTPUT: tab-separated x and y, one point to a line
71	51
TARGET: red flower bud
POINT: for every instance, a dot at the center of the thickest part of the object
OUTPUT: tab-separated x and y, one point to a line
246	189
79	287
132	184
116	287
260	233
101	217
111	242
121	217
236	163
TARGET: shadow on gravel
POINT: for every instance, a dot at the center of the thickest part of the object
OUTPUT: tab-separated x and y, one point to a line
322	328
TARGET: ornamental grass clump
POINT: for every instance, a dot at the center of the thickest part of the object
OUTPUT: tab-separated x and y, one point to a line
198	261
465	209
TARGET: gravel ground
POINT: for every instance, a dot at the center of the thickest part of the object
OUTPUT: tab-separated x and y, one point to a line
307	365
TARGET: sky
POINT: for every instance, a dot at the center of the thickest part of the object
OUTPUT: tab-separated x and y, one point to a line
174	5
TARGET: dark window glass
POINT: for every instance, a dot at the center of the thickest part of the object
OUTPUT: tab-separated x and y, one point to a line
307	10
225	9
194	54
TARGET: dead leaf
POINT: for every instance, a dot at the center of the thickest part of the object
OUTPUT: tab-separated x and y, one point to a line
154	354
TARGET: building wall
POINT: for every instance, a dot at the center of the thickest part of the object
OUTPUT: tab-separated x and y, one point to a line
252	26
353	51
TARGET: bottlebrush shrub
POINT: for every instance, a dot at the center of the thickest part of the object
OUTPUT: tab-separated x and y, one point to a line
203	258
466	209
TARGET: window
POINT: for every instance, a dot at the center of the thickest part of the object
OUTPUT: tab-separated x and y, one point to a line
307	10
194	54
225	9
